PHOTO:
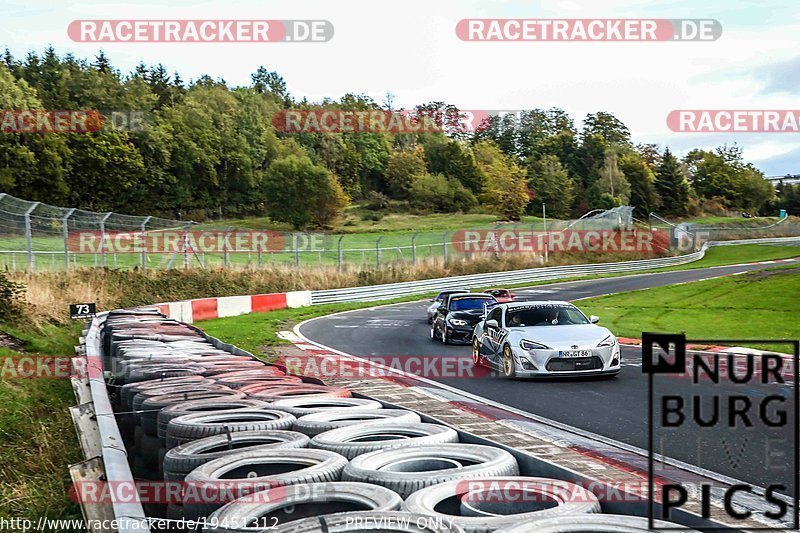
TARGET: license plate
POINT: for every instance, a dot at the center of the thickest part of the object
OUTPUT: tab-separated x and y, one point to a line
574	353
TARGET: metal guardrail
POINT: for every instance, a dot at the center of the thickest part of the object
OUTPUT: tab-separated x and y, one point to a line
129	517
766	240
514	277
511	277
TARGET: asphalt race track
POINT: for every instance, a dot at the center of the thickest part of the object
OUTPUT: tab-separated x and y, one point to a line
614	408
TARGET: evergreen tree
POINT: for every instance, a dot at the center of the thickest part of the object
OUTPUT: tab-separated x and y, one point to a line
672	185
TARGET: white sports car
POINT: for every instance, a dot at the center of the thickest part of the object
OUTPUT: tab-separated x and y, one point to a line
551	338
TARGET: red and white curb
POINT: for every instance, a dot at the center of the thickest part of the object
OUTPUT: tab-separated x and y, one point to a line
189	311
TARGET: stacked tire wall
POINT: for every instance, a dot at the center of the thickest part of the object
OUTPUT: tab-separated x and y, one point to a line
203	414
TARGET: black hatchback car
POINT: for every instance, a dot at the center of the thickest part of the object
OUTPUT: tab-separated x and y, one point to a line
456	317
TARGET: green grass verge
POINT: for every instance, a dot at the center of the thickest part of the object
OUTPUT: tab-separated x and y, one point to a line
755	305
36	432
743	253
258	331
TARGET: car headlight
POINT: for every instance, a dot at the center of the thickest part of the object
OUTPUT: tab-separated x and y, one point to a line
530	345
608	341
458	322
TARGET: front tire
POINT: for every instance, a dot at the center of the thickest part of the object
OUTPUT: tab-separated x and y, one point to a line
476	352
509	368
445	338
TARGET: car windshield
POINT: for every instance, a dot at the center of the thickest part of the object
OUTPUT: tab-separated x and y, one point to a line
464	304
443	295
550	315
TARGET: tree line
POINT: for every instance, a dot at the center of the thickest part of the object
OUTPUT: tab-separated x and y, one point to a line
210	150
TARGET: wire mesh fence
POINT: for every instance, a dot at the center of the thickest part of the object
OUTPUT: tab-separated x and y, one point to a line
36	236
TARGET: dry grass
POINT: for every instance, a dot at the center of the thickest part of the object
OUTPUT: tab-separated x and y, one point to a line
48	294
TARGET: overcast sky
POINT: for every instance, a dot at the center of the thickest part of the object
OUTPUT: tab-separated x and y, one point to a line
410	49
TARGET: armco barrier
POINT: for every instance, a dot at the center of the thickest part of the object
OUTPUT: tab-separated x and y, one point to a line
209	308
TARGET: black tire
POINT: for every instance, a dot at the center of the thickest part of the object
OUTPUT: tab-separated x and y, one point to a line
149	450
200	425
237	382
317	423
258	470
445	338
478	514
599	523
127	392
141	396
261	372
153	405
137	439
304	500
395	522
352	441
509	366
159	372
178	462
215	370
406	470
272	394
476	352
205	405
306	406
433	332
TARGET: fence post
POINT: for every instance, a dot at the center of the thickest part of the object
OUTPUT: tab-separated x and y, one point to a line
185	250
225	257
296	247
65	225
103	236
339	256
378	251
144	242
29	236
414	248
259	254
444	246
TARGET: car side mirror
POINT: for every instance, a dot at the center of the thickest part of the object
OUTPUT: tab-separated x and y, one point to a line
594	319
492	324
432	300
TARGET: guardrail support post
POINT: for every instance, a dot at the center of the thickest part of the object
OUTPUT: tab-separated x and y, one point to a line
65	227
103	236
29	236
339	256
414	248
378	251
